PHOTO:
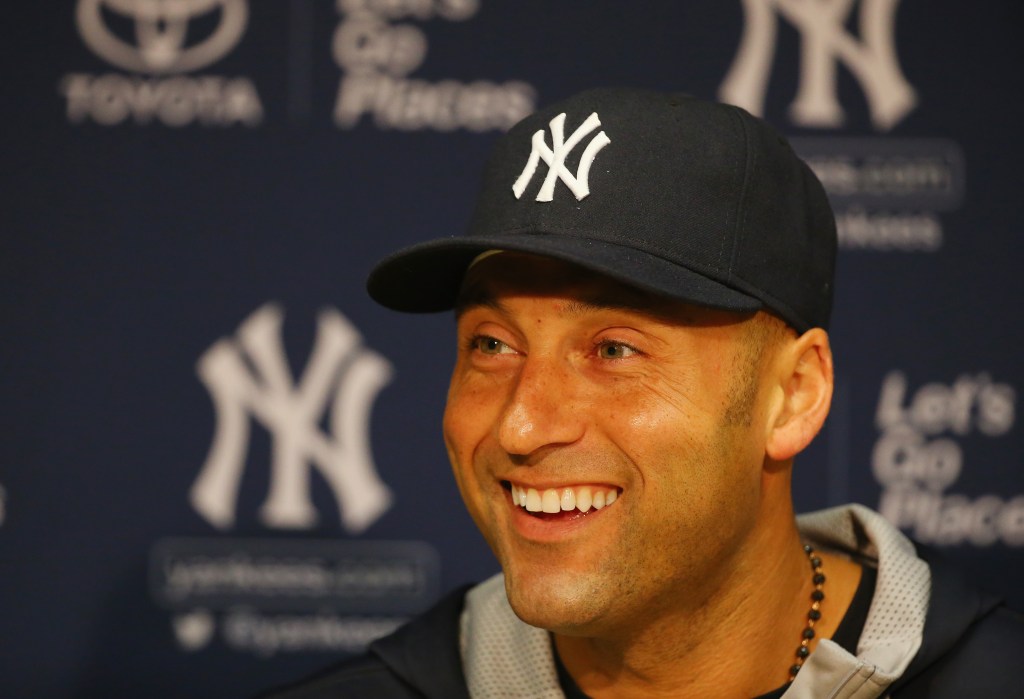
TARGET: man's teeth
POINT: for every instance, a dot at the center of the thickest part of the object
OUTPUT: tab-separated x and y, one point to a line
554	500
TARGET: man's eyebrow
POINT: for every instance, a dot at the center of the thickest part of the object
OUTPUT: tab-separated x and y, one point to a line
608	302
474	295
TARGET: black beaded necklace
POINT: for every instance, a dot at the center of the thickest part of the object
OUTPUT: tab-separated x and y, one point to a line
817	595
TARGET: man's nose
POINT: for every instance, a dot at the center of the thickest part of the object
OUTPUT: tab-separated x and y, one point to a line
543	410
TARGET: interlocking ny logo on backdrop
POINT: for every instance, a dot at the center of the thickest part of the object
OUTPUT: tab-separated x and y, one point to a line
555	157
825	42
250	376
161	30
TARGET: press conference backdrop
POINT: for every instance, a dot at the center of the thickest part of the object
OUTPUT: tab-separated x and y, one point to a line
222	465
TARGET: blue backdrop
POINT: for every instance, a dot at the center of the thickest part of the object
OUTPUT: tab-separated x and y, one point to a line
222	464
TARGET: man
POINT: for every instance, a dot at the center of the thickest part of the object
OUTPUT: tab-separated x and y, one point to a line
642	303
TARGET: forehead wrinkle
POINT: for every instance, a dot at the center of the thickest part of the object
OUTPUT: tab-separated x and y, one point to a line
593	303
584	291
630	300
581	302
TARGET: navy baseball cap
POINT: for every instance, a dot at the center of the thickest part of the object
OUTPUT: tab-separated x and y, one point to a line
692	200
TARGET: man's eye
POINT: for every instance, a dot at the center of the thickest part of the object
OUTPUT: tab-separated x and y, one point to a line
615	350
490	345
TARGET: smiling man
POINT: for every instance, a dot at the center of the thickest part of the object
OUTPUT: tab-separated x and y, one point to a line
643	299
624	456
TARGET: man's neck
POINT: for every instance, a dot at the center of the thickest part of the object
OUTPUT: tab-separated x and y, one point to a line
740	642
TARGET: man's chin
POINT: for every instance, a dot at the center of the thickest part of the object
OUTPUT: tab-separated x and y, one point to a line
558	605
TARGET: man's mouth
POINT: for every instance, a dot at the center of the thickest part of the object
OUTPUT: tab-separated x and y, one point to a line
570	499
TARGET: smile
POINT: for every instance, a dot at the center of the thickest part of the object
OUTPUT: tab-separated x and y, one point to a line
563	498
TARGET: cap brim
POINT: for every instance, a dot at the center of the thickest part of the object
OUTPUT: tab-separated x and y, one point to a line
426	277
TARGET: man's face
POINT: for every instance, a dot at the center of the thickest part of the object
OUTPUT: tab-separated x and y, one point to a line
571	387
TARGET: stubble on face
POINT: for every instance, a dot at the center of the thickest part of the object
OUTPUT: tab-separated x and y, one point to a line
761	335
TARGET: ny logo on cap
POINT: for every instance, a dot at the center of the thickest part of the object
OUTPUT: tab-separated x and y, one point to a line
555	158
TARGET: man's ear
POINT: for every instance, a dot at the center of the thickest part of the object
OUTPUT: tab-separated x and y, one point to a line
803	372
